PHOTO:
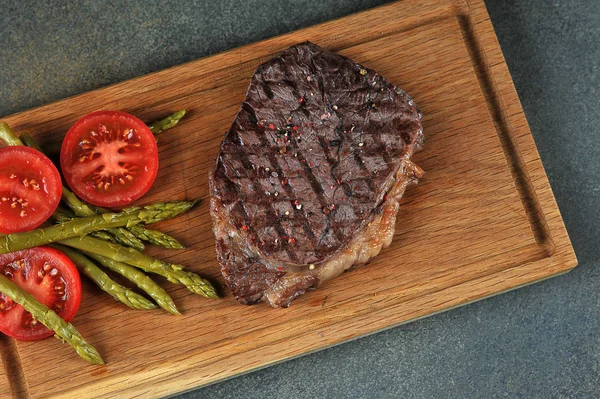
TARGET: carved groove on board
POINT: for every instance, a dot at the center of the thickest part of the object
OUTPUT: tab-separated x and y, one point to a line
13	372
518	168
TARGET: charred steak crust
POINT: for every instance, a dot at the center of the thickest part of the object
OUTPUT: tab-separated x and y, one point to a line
318	154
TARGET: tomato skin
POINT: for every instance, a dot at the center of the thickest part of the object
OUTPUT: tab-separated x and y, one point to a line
30	189
51	277
109	158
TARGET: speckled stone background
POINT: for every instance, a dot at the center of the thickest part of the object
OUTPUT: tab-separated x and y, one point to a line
542	341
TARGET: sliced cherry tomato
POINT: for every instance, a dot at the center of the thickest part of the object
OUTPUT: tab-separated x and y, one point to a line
51	277
109	158
30	189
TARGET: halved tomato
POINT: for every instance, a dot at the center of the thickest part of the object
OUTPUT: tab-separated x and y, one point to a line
30	189
51	277
109	158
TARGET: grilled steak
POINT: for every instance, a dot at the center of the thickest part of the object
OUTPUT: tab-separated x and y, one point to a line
310	173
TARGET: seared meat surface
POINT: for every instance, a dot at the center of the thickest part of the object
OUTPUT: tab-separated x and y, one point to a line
310	173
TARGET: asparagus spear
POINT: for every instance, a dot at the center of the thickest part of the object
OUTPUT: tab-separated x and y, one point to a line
155	237
82	226
141	233
106	284
103	235
170	121
116	235
81	209
62	214
172	272
8	136
124	237
64	331
140	279
28	141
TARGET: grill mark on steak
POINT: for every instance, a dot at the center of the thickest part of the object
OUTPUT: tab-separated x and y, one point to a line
376	138
269	206
304	220
307	168
289	189
334	163
317	189
290	192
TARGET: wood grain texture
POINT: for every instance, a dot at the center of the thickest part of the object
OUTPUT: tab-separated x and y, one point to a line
12	379
482	221
6	352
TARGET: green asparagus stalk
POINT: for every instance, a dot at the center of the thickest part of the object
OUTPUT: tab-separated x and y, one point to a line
103	235
170	121
140	279
124	237
106	284
81	209
165	210
50	319
155	237
27	140
117	235
82	226
8	136
172	272
62	214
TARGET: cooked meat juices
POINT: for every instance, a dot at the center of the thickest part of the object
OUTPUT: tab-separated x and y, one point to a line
310	174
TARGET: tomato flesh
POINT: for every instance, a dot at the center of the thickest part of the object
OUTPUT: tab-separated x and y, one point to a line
51	277
109	158
30	189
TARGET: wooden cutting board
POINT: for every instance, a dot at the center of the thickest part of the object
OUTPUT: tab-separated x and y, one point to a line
482	221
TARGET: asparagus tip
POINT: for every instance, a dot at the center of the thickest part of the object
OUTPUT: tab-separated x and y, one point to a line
170	307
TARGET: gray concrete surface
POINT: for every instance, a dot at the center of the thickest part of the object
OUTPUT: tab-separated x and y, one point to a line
541	341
